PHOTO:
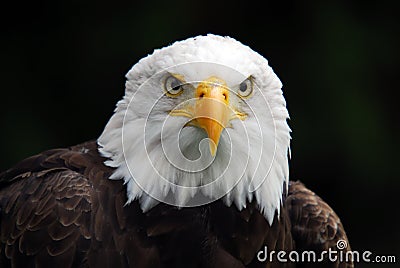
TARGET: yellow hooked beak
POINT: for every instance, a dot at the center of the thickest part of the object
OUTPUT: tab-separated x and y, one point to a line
211	110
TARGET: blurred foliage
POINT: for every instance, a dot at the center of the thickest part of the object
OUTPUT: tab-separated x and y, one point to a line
63	66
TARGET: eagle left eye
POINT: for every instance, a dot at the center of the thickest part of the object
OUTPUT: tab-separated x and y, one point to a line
246	88
173	86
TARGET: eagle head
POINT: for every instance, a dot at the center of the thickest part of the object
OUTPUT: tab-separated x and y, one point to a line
202	119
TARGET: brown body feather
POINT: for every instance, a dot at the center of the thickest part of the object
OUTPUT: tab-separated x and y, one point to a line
59	209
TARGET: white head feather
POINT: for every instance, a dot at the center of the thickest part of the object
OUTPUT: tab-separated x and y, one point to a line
146	145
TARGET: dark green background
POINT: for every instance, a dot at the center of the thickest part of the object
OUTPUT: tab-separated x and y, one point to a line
63	66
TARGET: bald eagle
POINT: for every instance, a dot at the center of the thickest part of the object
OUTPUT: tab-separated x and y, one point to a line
190	171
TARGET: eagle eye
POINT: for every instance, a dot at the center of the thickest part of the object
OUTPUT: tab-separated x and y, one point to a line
246	87
173	86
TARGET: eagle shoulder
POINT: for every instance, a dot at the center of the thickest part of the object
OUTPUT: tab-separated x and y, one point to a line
58	208
314	224
45	210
